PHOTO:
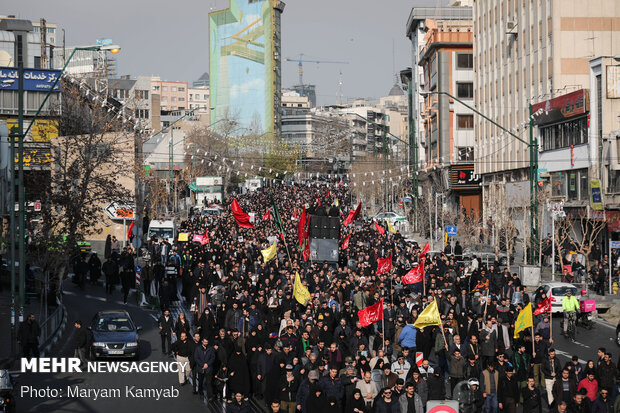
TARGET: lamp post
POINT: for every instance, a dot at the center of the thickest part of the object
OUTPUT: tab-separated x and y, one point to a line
533	167
19	234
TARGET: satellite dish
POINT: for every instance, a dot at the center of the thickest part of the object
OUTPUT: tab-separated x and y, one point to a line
5	58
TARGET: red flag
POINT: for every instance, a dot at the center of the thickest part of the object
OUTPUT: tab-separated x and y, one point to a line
345	243
294	190
306	252
267	215
543	307
205	237
353	214
328	194
318	199
371	315
384	264
243	219
295	213
301	228
415	275
129	233
379	228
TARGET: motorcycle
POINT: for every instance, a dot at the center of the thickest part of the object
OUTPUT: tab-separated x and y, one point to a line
7	399
586	315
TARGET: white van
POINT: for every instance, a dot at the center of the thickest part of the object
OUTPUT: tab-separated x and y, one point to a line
163	229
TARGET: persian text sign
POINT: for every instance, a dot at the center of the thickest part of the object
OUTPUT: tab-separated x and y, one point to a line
34	79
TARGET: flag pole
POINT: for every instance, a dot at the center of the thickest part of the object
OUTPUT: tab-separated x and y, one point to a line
532	330
486	304
550	324
443	334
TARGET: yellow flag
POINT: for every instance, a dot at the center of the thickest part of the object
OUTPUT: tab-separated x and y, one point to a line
524	320
429	317
336	202
270	253
300	292
390	227
183	236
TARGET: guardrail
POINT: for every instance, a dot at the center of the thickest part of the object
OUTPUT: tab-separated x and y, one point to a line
52	328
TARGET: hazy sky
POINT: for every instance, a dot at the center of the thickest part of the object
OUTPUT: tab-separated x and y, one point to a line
169	38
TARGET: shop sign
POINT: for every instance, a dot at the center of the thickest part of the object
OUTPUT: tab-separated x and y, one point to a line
562	107
596	198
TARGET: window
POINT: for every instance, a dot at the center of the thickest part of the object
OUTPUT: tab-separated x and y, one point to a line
572	185
142	113
181	99
142	94
51	30
190	97
565	134
174	99
164	98
181	89
164	88
156	88
465	90
205	97
465	121
464	60
174	89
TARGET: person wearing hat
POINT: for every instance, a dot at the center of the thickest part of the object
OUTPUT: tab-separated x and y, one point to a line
288	390
401	367
305	389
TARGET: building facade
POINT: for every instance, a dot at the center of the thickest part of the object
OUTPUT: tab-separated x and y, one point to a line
533	53
447	64
173	95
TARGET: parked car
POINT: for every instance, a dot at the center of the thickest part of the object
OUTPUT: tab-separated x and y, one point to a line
487	255
618	333
557	291
393	217
114	334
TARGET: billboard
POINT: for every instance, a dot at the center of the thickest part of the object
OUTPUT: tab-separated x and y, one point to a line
244	64
34	79
563	107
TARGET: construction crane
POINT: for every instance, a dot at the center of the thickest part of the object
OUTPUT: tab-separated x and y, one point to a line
300	64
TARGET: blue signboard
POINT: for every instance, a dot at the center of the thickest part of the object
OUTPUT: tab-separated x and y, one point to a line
34	79
614	244
451	230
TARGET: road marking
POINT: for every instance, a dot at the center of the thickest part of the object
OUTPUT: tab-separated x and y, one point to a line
568	356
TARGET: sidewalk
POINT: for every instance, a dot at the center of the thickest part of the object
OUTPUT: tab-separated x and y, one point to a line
34	306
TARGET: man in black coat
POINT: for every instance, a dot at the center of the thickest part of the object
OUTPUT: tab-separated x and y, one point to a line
28	336
110	270
94	264
81	343
166	324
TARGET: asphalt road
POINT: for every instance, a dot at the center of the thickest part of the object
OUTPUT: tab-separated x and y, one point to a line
84	305
587	342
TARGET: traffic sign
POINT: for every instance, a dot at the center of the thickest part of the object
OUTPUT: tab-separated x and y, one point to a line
451	230
419	358
118	211
442	406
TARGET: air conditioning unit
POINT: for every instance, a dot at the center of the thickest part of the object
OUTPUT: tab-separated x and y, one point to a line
511	27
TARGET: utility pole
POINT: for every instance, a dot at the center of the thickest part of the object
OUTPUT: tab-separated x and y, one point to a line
533	146
21	234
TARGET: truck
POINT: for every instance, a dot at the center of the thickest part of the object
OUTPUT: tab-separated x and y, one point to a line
162	229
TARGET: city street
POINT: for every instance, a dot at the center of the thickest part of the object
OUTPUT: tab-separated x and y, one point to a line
84	305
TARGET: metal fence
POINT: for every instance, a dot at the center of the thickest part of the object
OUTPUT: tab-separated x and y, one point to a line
51	326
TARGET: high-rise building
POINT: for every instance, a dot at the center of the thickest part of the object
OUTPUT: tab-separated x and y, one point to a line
416	30
245	64
537	52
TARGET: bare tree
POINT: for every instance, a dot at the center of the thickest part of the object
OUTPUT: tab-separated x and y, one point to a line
89	159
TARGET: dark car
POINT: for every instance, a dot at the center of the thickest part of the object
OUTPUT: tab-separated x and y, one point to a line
114	334
618	334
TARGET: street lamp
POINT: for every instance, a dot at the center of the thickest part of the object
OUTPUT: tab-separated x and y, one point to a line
533	173
21	134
